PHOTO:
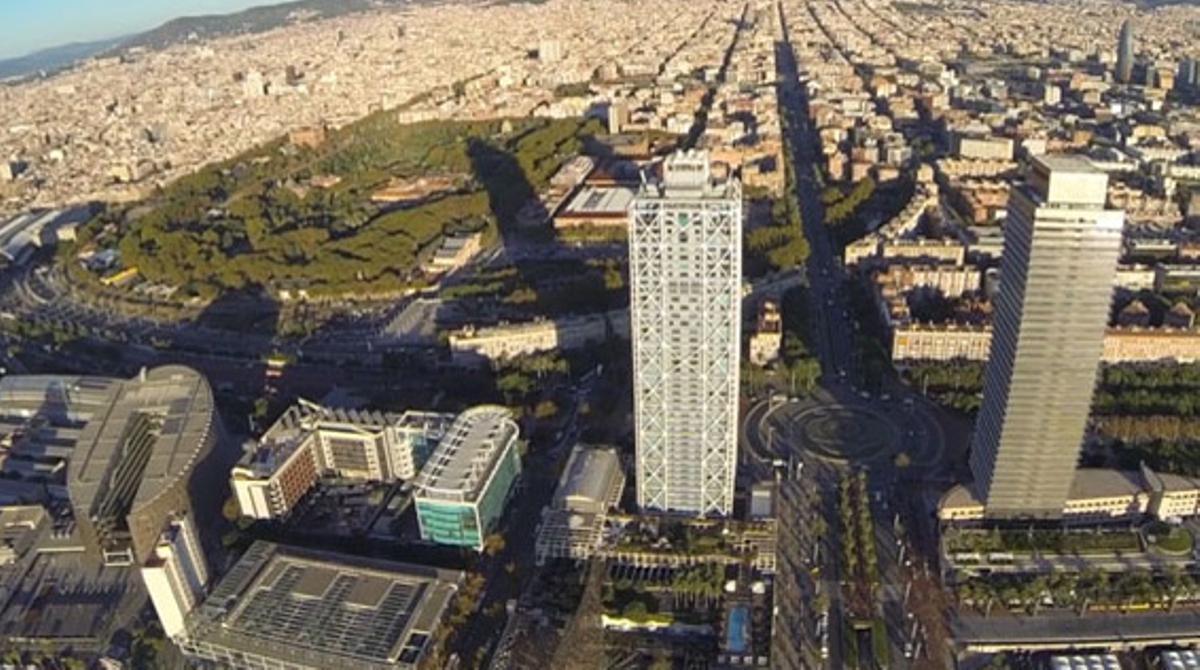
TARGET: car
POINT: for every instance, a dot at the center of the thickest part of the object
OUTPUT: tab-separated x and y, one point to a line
909	649
866	395
885	397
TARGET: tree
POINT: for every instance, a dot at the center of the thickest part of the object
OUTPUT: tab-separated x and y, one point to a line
494	544
1177	584
545	409
821	602
231	510
635	610
803	375
754	378
514	386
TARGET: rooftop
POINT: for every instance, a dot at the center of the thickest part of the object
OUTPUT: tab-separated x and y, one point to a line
1088	484
84	426
323	609
177	401
298	424
594	201
687	176
1066	179
466	456
66	598
588	480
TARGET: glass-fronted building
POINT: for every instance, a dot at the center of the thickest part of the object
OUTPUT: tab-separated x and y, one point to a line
461	491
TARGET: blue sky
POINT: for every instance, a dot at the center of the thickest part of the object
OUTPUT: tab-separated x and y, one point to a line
30	25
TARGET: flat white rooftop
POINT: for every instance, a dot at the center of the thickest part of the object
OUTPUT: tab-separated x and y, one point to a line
466	456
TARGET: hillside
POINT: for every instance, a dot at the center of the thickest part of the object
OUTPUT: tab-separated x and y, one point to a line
257	221
249	21
53	59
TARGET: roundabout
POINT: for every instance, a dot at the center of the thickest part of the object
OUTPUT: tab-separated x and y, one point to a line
834	432
847	434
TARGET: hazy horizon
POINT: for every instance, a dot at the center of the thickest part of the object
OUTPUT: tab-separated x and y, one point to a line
27	28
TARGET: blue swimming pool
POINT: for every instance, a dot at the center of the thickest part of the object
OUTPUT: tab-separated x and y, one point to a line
737	629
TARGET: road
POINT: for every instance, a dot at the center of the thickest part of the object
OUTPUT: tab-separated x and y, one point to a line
832	340
1118	631
509	573
804	578
40	293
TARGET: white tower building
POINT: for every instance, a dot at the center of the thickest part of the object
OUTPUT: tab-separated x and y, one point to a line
176	575
685	268
1061	247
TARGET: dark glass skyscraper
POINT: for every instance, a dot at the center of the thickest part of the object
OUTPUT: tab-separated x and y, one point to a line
1125	53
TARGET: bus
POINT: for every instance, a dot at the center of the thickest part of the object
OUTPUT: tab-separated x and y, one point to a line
276	363
120	278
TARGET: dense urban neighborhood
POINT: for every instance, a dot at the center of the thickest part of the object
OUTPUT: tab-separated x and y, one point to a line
724	334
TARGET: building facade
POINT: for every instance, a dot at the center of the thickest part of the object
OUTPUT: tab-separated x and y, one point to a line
946	342
461	491
768	335
176	575
685	274
1060	258
494	344
310	441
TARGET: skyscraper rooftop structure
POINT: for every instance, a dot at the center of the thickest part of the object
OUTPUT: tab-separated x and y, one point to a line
1060	255
685	271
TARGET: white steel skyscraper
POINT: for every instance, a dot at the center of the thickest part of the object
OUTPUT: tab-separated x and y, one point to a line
685	268
1060	257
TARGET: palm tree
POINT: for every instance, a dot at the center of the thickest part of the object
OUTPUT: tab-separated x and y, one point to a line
1032	593
1174	586
1133	587
1064	587
1094	585
990	596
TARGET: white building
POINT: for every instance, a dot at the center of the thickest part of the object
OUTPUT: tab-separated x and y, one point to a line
176	575
1060	260
685	249
589	488
310	441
